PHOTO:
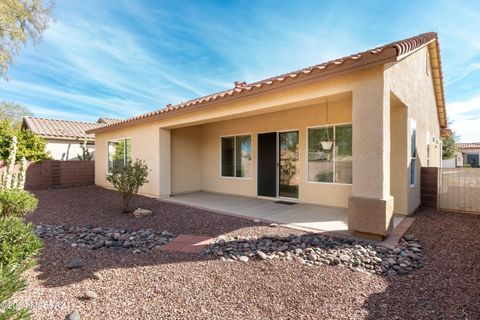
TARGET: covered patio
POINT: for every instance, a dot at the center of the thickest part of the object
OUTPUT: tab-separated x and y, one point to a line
289	214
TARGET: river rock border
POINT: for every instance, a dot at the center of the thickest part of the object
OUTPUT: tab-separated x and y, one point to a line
138	241
315	249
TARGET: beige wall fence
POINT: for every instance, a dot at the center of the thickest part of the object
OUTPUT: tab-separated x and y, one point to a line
56	174
460	189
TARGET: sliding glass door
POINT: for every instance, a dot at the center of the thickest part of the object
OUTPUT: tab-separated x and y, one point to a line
288	164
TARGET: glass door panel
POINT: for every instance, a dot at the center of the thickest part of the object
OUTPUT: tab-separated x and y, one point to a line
288	164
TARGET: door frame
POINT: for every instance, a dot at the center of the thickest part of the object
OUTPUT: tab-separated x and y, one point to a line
474	156
277	166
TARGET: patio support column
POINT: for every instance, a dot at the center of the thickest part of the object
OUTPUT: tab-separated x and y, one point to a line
371	204
164	163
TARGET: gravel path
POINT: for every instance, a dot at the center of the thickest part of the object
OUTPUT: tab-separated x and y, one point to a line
159	285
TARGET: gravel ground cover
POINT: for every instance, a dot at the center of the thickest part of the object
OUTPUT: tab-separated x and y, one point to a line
138	241
317	249
112	284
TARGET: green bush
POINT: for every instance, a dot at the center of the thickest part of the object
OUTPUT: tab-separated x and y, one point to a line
30	145
18	242
128	179
16	203
18	247
11	282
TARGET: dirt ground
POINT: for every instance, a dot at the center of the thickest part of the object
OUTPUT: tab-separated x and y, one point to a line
160	285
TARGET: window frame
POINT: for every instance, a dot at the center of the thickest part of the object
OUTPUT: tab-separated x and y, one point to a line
234	136
108	155
414	156
428	154
307	169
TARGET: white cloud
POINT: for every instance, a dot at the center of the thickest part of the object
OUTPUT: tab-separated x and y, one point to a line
465	118
461	108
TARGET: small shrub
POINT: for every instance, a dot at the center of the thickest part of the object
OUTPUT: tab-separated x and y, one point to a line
127	180
18	242
18	247
16	203
10	283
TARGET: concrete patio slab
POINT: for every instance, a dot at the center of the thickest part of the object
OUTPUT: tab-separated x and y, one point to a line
300	215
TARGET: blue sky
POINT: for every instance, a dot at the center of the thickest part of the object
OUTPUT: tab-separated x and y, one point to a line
121	58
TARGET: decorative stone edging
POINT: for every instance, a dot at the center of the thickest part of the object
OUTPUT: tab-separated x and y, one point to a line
314	249
93	238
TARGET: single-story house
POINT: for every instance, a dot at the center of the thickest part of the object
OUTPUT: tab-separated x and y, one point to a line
351	132
470	154
455	162
65	137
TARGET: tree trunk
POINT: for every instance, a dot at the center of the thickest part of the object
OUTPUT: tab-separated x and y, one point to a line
127	203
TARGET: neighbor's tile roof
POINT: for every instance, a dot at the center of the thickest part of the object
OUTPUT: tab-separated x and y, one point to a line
475	145
398	47
107	121
60	129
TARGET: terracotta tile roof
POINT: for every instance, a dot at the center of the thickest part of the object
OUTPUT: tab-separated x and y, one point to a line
474	145
60	129
107	121
379	54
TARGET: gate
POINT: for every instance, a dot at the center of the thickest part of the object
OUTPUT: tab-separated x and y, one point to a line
460	190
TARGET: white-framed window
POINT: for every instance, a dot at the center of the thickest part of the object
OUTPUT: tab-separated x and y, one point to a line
119	153
413	153
332	165
236	156
428	149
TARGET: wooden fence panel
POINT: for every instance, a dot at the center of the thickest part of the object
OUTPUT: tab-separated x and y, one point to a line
429	186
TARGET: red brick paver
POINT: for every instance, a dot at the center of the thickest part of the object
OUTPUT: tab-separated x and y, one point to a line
188	243
392	240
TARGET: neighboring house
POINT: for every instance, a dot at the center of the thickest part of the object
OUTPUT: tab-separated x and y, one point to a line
64	137
455	162
470	154
352	132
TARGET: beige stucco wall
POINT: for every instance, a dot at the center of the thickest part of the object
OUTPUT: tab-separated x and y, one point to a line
145	146
186	159
410	80
295	119
399	155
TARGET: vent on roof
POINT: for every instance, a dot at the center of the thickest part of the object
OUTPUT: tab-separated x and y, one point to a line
239	84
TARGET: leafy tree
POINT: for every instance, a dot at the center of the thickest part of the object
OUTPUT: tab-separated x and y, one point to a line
127	179
30	146
449	147
13	112
21	20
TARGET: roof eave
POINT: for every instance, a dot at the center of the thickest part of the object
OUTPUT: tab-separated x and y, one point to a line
65	138
389	55
437	76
